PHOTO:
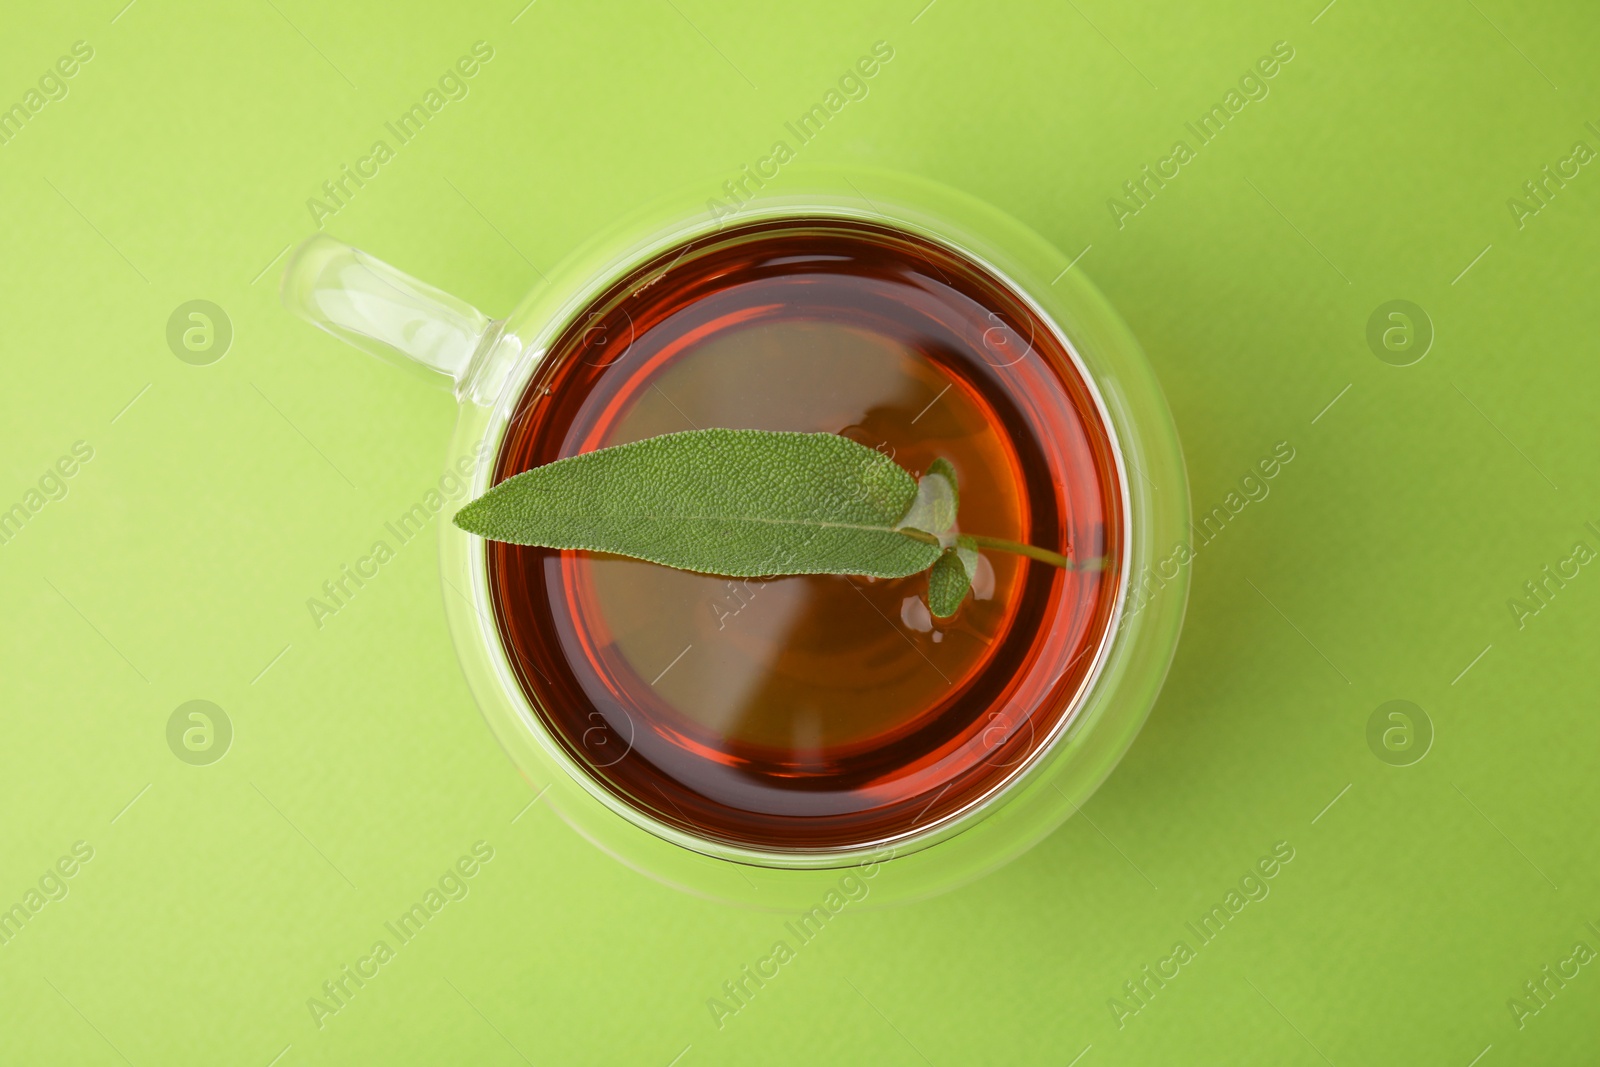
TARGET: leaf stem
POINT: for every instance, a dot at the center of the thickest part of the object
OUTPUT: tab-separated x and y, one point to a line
1000	544
1043	555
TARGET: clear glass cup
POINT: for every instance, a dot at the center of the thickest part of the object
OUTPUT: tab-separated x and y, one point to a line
488	362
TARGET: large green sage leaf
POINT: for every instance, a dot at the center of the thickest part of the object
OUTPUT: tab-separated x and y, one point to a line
742	503
751	504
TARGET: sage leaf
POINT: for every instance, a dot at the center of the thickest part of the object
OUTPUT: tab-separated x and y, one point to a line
751	504
946	469
741	503
948	583
967	552
934	509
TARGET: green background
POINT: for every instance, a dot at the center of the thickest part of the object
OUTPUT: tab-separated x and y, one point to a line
1379	568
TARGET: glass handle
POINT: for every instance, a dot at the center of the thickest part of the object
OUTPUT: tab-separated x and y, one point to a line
382	311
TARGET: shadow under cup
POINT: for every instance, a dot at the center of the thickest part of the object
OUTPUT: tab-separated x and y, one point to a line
817	713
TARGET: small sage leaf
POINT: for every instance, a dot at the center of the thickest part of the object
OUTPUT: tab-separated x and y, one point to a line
741	503
944	467
948	583
967	552
934	509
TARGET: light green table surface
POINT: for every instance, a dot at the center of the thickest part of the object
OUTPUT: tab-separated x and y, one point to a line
1380	567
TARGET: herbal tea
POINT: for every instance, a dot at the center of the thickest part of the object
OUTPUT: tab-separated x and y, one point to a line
817	711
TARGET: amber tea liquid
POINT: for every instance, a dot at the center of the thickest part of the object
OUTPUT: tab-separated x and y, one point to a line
819	712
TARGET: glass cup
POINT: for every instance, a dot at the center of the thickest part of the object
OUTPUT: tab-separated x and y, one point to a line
488	363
